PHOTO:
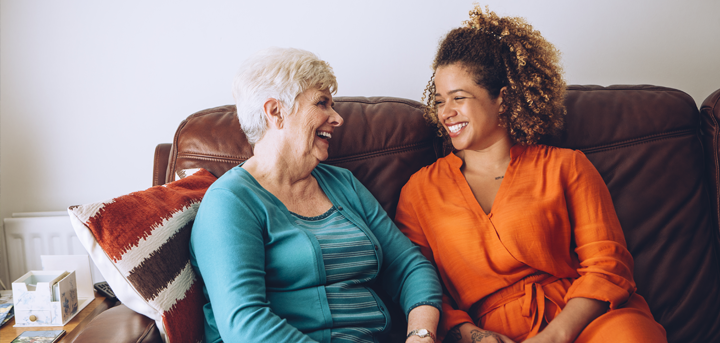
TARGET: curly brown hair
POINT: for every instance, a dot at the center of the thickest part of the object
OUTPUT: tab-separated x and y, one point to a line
506	52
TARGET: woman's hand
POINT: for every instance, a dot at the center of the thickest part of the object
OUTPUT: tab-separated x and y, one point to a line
542	337
576	315
469	333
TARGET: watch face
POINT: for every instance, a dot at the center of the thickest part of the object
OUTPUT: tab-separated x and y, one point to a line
422	333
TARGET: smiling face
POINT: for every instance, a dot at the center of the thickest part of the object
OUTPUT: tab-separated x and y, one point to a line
312	124
467	111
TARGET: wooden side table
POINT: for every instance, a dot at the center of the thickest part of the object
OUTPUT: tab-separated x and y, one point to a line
73	328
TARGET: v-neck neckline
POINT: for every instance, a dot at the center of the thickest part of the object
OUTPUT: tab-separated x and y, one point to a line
456	163
276	199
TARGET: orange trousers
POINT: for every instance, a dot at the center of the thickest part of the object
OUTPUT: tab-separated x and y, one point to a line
523	309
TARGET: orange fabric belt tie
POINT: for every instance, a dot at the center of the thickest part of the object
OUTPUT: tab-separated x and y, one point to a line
533	303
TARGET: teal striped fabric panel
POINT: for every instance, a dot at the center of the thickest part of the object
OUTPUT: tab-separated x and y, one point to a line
350	262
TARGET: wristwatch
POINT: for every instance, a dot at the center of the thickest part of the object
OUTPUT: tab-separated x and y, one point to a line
422	333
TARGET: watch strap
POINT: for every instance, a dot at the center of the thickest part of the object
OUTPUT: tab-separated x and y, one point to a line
422	333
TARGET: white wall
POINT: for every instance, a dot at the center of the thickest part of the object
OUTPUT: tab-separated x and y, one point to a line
88	88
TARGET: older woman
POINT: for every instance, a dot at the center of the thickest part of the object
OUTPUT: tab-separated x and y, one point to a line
288	247
524	235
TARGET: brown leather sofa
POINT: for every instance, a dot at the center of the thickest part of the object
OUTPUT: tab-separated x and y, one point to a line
657	153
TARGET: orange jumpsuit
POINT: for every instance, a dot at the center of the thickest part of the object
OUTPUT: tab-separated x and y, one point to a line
552	235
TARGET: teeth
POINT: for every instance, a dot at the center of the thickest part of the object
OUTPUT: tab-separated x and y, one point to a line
456	127
324	134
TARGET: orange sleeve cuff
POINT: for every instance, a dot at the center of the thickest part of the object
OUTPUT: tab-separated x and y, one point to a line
451	318
596	287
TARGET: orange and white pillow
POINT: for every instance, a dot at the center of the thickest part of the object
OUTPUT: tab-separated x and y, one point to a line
140	244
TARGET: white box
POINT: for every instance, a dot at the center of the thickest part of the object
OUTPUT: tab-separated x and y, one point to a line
35	303
81	265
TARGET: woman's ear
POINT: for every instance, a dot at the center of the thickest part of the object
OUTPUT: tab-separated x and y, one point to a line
273	112
501	100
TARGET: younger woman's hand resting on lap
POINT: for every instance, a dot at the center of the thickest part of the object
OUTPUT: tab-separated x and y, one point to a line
469	333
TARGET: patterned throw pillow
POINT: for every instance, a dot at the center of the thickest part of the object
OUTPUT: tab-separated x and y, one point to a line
140	243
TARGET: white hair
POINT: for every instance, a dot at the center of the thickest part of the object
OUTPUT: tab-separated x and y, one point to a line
278	73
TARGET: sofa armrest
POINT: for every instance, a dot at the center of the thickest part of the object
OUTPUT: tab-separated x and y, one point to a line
710	116
160	165
120	324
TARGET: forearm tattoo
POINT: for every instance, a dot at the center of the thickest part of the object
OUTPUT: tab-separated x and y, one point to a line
478	335
454	335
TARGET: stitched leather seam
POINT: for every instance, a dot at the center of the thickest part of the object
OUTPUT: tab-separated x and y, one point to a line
362	100
170	175
360	156
202	157
637	141
717	165
381	101
642	88
205	154
715	159
400	149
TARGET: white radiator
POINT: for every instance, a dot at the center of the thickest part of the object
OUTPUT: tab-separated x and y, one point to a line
29	235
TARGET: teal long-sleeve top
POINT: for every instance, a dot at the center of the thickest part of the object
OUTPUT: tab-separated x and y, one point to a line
264	276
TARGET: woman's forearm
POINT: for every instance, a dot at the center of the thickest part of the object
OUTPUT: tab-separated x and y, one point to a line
572	320
423	317
469	333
